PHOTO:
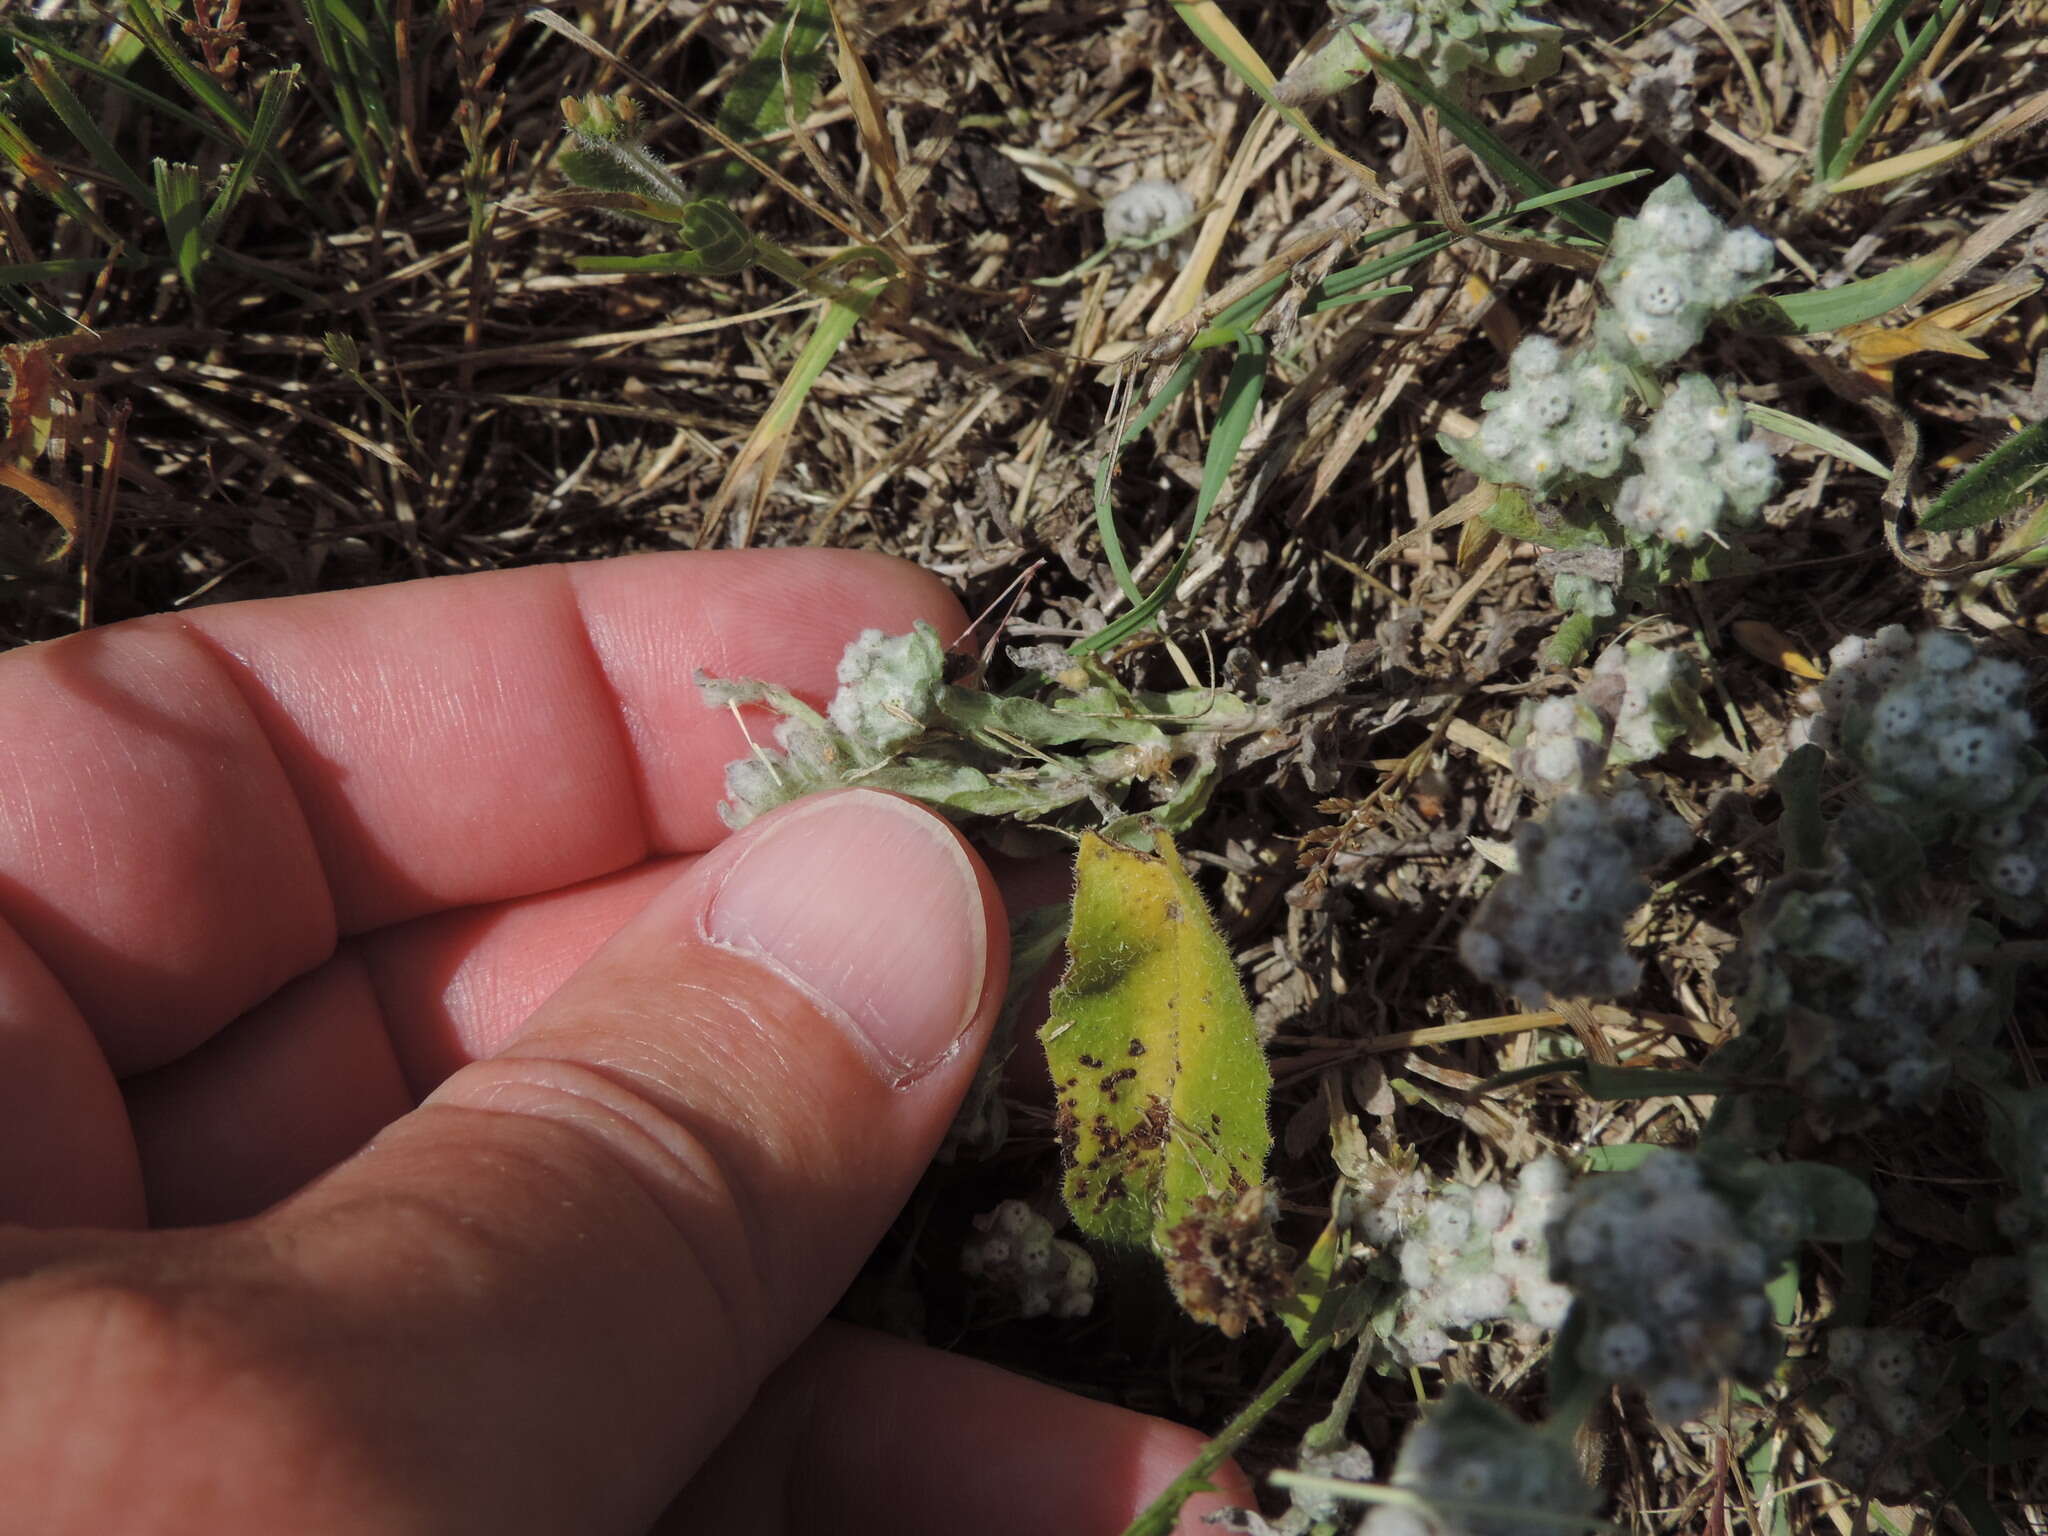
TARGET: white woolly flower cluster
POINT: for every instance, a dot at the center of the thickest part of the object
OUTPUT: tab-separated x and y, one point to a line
1894	1400
1860	669
1662	96
1495	41
1672	1277
1639	701
888	689
2010	855
1870	1007
1555	925
1479	1471
1668	270
1468	1254
1018	1256
1146	210
1559	419
1949	729
1560	744
1701	469
888	685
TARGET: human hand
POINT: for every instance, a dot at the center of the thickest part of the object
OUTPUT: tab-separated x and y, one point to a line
509	1127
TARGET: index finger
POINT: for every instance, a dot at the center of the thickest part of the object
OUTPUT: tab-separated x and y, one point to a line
198	805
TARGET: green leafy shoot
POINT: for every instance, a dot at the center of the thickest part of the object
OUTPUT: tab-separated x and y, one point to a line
359	68
1241	392
1800	430
83	126
773	88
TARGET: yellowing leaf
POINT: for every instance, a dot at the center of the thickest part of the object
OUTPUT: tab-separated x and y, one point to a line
1767	642
1875	348
1161	1084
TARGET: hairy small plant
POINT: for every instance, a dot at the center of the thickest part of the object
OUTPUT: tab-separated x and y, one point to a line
1870	1008
1460	46
1016	1256
1641	700
1661	97
895	723
1459	1256
1554	926
1146	212
1702	472
1476	1470
1670	1271
1641	506
1668	270
1558	424
1948	732
1893	1397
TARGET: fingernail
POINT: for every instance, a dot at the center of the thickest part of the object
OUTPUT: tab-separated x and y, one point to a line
871	905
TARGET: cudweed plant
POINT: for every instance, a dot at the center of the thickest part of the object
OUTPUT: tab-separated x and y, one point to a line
1460	46
1016	1256
1666	493
1669	1267
1457	1257
1554	925
1894	1396
1475	1470
896	723
1640	701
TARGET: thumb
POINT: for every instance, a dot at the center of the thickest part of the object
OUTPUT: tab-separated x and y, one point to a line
583	1255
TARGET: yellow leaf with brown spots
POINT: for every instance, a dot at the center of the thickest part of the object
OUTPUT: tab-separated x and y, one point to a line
1160	1080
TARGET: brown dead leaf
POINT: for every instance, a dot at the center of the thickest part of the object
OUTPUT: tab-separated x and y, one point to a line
1874	349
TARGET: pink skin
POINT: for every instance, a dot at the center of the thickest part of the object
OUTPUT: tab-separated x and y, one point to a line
272	873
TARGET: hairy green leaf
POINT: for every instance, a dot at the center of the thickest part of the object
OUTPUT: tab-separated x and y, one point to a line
1830	309
2007	477
1160	1080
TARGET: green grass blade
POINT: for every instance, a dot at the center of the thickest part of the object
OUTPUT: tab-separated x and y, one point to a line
2014	472
178	196
35	168
83	126
140	94
1830	309
755	106
1230	324
263	136
331	21
30	272
1834	112
148	23
1852	142
1814	435
1488	145
1241	393
1105	517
